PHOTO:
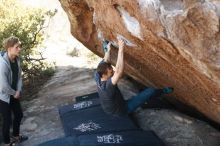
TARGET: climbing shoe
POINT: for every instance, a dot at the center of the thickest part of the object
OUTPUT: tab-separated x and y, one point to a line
104	45
19	139
168	90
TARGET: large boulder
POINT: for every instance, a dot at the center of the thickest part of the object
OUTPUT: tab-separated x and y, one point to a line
169	43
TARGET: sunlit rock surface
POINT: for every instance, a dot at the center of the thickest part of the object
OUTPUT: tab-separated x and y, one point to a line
169	43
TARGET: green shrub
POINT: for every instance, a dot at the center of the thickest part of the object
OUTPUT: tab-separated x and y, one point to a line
92	57
73	53
27	24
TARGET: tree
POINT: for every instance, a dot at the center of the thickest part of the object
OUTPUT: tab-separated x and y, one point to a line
27	24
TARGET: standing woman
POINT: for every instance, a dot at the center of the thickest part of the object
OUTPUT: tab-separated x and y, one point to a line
10	90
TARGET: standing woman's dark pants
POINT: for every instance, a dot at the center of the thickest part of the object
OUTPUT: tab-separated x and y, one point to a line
5	111
15	106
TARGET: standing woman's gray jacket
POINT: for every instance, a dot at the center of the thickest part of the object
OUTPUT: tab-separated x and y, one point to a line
6	78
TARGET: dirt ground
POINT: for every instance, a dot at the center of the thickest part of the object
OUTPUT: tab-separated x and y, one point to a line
42	123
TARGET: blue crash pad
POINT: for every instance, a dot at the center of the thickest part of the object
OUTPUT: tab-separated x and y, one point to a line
128	138
93	120
65	141
87	97
79	105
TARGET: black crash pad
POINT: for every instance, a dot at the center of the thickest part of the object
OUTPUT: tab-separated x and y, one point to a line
94	120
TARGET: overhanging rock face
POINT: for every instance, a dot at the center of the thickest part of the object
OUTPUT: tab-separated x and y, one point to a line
169	43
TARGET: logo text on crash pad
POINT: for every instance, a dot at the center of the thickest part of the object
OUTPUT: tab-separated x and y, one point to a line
90	126
111	138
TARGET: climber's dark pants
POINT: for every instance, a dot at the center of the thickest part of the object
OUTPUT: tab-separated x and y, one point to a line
142	97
